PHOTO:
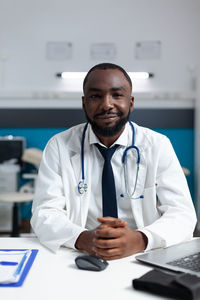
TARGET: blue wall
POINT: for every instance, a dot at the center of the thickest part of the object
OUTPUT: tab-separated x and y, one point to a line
183	143
181	139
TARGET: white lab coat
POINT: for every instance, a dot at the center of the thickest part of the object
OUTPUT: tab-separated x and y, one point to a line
60	212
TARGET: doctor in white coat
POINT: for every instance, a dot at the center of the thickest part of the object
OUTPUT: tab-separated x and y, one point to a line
153	200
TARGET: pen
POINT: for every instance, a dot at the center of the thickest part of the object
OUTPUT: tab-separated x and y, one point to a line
19	268
8	263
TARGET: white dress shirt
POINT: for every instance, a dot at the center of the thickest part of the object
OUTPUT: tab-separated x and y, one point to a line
123	204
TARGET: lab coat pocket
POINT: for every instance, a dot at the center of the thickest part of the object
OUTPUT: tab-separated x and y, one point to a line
149	205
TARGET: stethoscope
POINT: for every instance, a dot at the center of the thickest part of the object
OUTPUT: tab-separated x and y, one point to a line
82	185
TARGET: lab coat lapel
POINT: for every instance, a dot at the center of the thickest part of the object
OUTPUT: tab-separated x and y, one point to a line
76	165
137	203
84	198
88	175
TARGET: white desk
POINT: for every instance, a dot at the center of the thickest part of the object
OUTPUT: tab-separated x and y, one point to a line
55	276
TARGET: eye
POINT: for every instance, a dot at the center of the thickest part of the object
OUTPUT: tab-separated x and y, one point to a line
117	95
94	96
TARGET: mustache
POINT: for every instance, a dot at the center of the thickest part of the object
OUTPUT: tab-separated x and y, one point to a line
106	113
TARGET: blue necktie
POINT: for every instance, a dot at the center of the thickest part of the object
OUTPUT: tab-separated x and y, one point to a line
108	183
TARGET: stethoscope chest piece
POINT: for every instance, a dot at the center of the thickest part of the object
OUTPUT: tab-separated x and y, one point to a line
82	187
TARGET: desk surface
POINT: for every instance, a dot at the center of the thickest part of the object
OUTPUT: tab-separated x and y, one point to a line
55	276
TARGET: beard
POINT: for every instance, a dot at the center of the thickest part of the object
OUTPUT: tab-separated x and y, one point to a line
109	131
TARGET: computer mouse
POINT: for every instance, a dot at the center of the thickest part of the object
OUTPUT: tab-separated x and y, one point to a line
90	262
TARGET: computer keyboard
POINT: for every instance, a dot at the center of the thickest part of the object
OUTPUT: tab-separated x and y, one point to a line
191	262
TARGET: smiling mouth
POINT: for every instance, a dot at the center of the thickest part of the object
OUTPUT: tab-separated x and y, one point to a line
107	117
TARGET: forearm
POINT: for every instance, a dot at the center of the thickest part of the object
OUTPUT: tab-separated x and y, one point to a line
54	229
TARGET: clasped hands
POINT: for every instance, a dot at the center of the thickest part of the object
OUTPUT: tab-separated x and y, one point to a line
112	239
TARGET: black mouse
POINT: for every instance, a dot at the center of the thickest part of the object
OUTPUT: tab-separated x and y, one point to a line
90	262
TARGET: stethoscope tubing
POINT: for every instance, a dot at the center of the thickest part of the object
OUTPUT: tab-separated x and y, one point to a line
82	151
82	186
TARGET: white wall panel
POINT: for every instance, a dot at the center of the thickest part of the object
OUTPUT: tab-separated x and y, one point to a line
27	26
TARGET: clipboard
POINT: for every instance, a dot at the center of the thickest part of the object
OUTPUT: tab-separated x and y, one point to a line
26	269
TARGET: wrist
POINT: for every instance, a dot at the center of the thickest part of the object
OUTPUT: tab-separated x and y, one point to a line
80	242
143	240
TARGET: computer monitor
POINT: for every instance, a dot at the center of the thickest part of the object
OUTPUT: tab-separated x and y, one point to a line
11	147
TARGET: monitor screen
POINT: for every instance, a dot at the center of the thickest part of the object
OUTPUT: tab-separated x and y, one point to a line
10	149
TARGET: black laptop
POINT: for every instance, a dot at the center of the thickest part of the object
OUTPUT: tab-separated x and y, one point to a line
184	257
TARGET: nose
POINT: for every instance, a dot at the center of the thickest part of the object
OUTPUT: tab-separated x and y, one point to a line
107	102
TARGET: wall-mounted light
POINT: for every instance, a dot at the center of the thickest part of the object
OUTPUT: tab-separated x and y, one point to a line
81	75
72	75
140	75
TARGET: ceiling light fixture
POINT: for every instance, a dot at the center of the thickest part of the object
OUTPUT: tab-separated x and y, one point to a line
81	75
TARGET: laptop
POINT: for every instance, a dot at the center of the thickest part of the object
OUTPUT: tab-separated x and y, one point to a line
184	257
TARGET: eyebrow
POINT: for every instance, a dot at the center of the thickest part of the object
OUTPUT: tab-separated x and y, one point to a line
118	89
94	90
114	89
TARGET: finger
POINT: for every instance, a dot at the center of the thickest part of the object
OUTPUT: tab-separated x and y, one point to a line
105	226
108	254
108	232
105	219
112	222
112	257
109	219
106	243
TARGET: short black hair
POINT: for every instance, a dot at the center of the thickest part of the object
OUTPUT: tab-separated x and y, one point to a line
107	66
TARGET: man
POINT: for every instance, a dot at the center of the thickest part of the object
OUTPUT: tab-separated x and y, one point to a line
152	205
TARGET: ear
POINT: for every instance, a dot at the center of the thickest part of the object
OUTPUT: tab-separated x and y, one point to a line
131	104
83	103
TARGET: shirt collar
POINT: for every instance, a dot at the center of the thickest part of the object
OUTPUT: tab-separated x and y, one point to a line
124	139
